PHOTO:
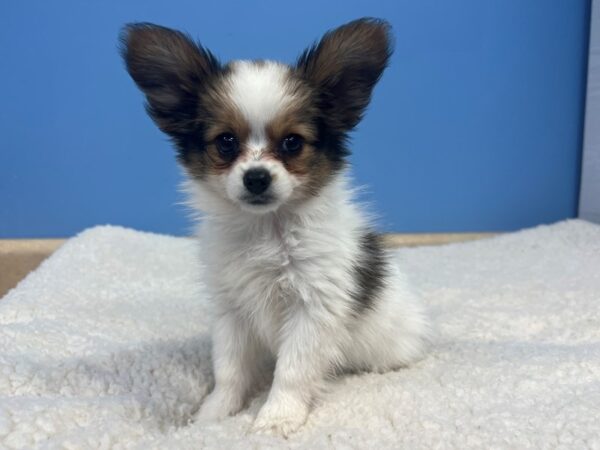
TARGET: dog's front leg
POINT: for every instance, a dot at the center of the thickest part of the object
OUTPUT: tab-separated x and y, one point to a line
235	366
306	354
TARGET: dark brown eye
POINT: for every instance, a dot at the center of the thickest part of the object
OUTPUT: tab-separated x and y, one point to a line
292	144
228	145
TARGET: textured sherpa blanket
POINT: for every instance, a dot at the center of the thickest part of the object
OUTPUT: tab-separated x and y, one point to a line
106	345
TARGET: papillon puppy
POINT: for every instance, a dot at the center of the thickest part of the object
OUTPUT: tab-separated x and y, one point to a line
298	281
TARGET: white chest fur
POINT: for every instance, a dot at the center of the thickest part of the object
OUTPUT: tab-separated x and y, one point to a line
267	267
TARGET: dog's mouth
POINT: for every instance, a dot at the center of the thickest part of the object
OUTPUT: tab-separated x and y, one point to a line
259	204
258	200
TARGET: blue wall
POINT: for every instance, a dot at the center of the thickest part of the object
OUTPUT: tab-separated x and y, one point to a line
475	126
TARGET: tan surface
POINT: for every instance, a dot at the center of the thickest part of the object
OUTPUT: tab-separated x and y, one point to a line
417	239
18	257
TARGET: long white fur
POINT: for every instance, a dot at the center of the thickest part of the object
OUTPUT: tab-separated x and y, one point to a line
281	281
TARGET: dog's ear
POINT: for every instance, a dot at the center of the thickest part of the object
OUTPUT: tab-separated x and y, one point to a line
345	66
170	69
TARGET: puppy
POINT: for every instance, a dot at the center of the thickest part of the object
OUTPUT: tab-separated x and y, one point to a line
294	270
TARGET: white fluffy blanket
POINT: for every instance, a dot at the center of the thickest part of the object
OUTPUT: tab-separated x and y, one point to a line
106	345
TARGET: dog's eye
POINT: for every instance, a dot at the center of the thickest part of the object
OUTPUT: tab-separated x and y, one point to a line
292	144
227	144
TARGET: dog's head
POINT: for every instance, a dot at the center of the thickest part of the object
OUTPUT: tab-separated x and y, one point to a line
258	134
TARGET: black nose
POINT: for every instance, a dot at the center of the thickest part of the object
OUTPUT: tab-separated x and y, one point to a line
257	180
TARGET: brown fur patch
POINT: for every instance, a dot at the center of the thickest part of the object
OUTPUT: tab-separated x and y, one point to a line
219	115
222	116
310	164
313	167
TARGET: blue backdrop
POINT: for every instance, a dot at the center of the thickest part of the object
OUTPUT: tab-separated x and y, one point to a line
477	124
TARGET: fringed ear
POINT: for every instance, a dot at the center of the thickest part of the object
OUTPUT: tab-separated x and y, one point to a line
345	66
170	69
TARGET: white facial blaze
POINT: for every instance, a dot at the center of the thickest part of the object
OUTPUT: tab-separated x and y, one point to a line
257	145
260	91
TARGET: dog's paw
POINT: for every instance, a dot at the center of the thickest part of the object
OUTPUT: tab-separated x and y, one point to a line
279	421
218	405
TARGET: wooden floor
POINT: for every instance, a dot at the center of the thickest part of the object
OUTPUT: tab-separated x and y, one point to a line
18	257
